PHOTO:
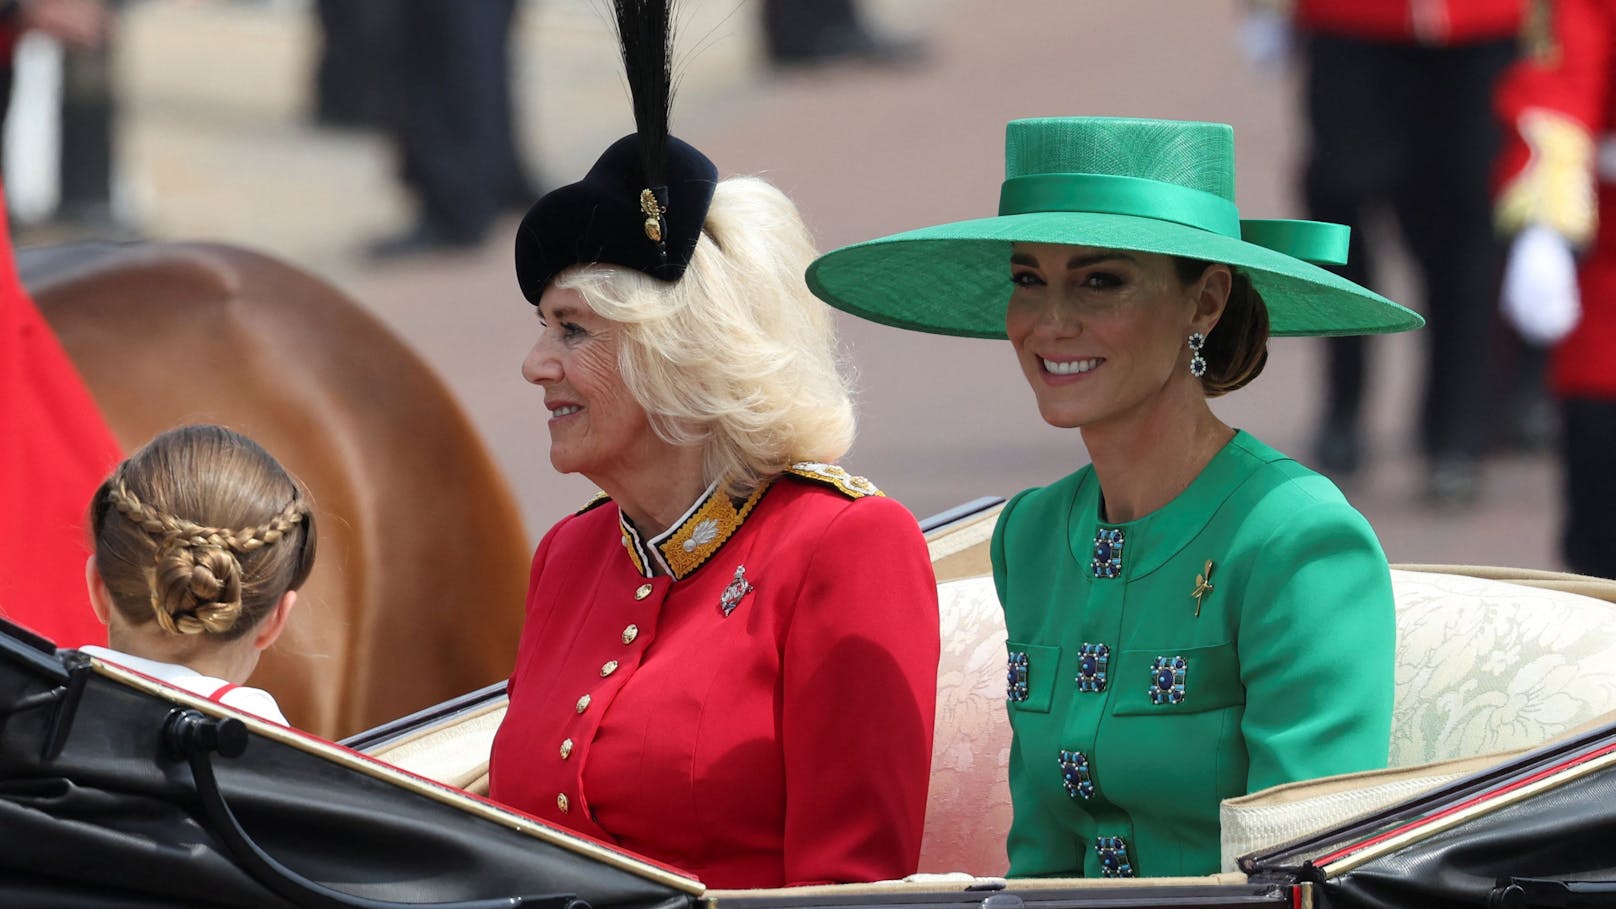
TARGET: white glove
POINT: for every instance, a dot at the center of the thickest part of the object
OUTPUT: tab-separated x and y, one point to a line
1540	296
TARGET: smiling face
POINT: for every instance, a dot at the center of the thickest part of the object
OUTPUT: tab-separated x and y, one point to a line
1101	333
596	427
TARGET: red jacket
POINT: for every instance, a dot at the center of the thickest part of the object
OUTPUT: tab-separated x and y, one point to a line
54	450
1436	22
761	718
1574	73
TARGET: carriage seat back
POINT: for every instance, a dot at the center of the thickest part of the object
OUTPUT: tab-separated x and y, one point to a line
1486	663
1491	663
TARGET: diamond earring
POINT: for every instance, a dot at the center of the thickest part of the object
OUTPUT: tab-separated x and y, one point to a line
1197	362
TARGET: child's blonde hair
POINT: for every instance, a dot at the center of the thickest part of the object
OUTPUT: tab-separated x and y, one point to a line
202	531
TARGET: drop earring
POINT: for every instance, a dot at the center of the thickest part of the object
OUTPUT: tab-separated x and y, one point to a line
1197	362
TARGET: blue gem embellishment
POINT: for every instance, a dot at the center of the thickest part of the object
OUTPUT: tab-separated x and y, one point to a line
1167	676
1091	662
1107	552
1113	854
1016	690
1075	775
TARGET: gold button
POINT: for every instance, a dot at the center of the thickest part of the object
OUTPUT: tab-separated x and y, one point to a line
583	703
643	592
609	668
566	748
561	802
630	633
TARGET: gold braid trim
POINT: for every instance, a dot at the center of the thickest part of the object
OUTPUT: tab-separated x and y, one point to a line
599	499
1556	187
705	531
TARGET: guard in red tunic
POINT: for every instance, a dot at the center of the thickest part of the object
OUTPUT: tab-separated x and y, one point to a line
54	450
1557	194
729	660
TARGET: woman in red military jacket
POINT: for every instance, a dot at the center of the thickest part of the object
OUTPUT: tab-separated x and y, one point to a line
729	662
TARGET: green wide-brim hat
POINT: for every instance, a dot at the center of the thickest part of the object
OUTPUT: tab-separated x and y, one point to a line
1158	186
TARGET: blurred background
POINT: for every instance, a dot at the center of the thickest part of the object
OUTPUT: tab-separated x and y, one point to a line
213	126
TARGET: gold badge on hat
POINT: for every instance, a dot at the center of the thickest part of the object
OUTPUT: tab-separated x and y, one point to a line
653	215
1203	586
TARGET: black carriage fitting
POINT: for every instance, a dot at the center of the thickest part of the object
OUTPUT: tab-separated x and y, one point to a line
35	701
1532	892
194	737
78	675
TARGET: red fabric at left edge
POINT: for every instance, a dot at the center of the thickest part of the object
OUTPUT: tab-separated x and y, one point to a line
54	450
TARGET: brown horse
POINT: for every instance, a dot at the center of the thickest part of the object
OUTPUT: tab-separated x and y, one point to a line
417	591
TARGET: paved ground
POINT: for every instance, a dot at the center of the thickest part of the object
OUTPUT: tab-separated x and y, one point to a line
215	146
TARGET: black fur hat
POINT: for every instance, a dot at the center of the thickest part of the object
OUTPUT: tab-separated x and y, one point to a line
644	201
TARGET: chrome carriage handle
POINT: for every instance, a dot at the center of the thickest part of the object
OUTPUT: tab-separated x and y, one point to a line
195	737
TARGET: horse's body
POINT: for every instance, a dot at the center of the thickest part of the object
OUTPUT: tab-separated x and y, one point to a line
417	591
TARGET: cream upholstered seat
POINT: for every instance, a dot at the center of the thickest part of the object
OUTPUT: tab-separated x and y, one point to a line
1486	665
1490	663
454	753
968	809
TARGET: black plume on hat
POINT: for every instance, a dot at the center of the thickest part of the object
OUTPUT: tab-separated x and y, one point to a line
644	201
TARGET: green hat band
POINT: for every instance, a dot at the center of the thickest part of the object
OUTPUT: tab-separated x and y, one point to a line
1310	241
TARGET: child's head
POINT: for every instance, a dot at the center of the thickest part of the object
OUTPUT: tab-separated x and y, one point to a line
203	533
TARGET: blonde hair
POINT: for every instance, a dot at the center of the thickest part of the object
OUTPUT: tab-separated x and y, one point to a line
203	531
737	356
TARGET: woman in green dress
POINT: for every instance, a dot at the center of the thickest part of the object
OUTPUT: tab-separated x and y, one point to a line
1194	615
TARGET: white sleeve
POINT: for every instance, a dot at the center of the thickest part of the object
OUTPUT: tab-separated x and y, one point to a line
257	702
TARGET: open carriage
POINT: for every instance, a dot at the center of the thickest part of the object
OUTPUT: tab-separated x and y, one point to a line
116	790
119	791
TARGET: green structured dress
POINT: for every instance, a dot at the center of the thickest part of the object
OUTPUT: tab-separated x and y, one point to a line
1144	688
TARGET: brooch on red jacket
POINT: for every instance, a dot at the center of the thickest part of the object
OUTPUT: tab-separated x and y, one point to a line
731	597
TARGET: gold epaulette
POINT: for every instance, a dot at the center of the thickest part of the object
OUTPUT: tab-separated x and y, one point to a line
835	477
599	499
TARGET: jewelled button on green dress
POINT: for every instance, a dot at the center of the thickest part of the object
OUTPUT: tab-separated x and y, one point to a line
1237	638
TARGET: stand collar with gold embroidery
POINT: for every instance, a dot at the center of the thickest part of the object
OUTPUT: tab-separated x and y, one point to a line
693	539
